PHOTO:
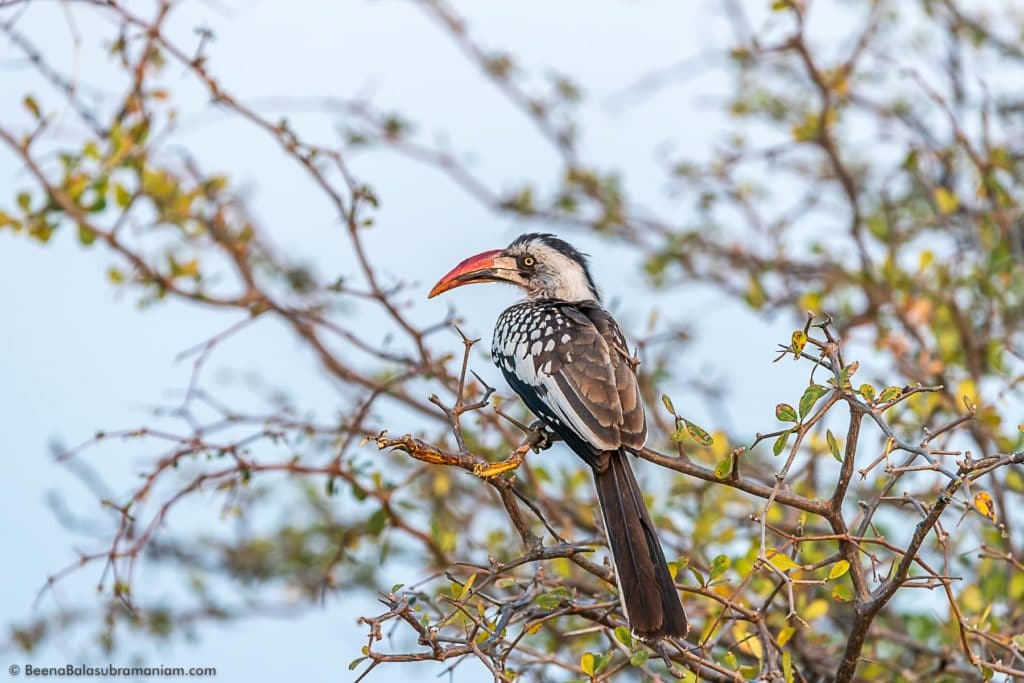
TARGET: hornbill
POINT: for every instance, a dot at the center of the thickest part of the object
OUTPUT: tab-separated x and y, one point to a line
567	359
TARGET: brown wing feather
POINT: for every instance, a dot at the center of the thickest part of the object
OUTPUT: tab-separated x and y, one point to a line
633	421
594	373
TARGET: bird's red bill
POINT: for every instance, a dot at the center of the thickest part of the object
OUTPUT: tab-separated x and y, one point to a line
466	272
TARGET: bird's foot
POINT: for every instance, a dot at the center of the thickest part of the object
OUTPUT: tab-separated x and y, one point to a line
541	438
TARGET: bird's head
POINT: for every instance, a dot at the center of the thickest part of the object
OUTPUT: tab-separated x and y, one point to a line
543	265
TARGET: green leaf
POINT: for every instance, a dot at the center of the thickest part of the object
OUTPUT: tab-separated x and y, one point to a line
810	397
867	391
833	446
668	404
122	196
724	467
33	106
684	562
846	373
587	663
787	666
378	520
548	601
780	442
623	635
1018	642
356	662
697	575
878	226
86	235
639	658
842	593
697	433
785	413
838	569
889	394
719	566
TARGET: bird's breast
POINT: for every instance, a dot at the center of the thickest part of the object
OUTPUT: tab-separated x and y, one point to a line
530	332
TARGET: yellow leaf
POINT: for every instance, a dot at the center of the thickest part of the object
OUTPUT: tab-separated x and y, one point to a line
748	642
190	268
587	663
984	615
946	200
810	301
442	484
818	608
925	260
799	341
969	391
784	635
720	445
838	569
469	584
983	501
781	561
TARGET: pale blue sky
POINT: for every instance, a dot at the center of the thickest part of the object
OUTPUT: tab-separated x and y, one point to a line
78	356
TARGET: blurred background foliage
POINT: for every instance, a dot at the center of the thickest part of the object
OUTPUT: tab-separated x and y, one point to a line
872	174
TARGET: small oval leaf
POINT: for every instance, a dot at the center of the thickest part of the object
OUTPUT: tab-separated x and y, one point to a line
842	593
838	569
833	445
587	663
623	635
889	393
781	561
983	501
724	467
668	404
810	397
719	566
698	434
785	413
780	442
798	344
846	373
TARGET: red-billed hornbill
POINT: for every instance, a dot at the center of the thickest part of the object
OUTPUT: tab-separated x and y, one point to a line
566	358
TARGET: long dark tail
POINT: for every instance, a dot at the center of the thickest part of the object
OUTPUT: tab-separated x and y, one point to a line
648	595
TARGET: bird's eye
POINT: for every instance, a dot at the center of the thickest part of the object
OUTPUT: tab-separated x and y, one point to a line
529	261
